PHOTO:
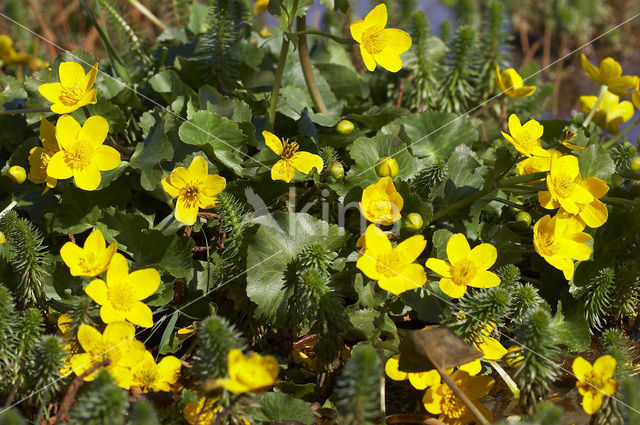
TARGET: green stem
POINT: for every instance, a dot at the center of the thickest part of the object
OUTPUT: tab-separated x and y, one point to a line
511	204
603	91
628	174
282	61
506	378
521	188
24	111
613	140
335	38
460	204
307	69
619	201
523	179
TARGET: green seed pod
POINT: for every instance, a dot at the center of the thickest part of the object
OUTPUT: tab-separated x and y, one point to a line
336	170
387	167
635	164
345	127
523	219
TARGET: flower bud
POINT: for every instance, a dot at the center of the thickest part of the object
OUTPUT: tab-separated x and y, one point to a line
336	170
17	174
387	167
523	219
635	164
345	127
265	32
413	222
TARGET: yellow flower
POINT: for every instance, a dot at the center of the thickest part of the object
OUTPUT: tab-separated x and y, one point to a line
120	296
560	240
594	382
260	6
380	45
82	154
8	55
291	160
610	74
150	376
91	260
635	98
74	89
419	380
381	203
3	238
490	347
575	196
526	138
441	400
117	345
194	188
568	135
253	373
39	156
510	82
393	268
514	356
610	113
468	267
201	412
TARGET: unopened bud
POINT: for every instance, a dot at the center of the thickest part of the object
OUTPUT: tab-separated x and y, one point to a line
413	222
336	170
387	167
635	164
345	127
265	32
17	174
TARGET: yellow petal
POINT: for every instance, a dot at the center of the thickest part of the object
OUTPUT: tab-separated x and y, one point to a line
524	91
109	314
389	60
58	168
484	280
198	168
179	178
534	129
117	333
392	371
409	277
472	368
377	16
273	142
123	376
305	162
72	256
282	170
546	200
492	349
410	249
514	124
357	28
118	269
368	59
173	191
67	129
605	366
594	214
457	248
71	73
106	158
432	400
90	78
369	265
213	184
144	283
450	288
186	212
592	71
592	401
90	339
484	255
87	178
397	40
140	315
610	70
422	380
168	370
377	242
48	135
94	130
439	266
51	91
97	290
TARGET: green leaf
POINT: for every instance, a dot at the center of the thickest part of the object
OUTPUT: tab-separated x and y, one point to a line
571	329
595	161
105	109
219	137
169	84
344	81
278	241
11	89
280	407
148	155
434	135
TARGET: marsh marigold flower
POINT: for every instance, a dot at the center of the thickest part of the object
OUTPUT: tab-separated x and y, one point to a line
117	344
610	113
575	196
290	158
526	138
419	380
82	154
252	373
74	89
560	241
150	376
91	260
8	54
260	6
194	188
39	156
381	203
510	82
491	348
609	73
441	400
393	268
380	45
594	382
202	412
121	295
466	267
635	98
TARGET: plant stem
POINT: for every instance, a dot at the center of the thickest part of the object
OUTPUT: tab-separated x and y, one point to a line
307	69
335	38
506	378
24	111
282	61
460	204
613	140
146	12
619	201
523	179
603	91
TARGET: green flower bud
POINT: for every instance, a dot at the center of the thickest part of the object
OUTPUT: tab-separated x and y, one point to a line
17	174
413	222
387	167
523	219
635	164
265	32
336	170
345	127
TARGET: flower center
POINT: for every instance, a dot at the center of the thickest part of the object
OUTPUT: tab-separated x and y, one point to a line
373	40
72	94
590	381
121	297
288	149
88	261
388	264
452	407
190	193
79	156
463	272
146	375
548	243
563	184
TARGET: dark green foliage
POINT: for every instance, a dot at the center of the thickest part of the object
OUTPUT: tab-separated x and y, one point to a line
179	12
7	337
102	403
614	342
124	35
468	13
609	413
27	255
629	393
597	296
216	338
459	85
445	31
82	308
430	177
231	216
11	417
42	375
524	298
478	310
509	276
540	356
143	413
625	297
357	394
622	154
317	256
495	39
424	80
28	330
328	155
